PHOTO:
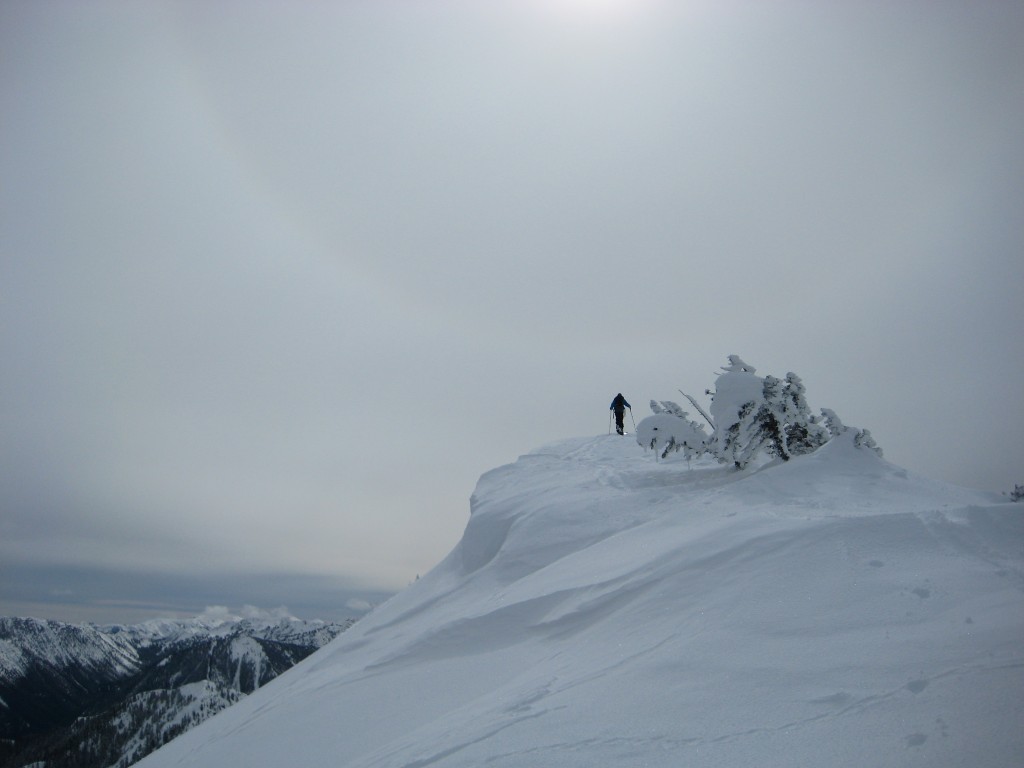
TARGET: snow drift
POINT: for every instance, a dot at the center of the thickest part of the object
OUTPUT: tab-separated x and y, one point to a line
603	608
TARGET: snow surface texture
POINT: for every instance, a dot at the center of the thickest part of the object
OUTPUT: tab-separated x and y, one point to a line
603	608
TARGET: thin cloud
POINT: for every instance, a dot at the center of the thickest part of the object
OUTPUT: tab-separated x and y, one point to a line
280	284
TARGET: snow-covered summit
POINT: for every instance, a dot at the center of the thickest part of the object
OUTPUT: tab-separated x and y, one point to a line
285	629
62	646
605	608
96	696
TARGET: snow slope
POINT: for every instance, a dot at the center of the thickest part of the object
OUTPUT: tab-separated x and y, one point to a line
604	608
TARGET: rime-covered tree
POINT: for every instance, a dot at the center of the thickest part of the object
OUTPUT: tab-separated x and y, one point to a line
669	407
772	422
738	396
736	365
833	423
745	438
863	439
750	413
763	426
670	430
804	434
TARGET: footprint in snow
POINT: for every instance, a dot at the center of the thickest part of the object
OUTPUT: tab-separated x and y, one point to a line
916	686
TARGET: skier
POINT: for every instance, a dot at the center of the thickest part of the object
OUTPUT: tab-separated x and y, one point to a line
619	405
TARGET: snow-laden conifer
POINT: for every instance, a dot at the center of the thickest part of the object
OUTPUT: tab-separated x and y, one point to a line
667	432
736	365
833	423
804	434
667	406
750	413
769	428
734	405
863	439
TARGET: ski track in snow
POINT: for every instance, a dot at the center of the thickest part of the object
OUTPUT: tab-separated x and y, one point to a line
605	608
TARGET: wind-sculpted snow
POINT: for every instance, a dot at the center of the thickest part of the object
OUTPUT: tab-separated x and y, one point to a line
604	608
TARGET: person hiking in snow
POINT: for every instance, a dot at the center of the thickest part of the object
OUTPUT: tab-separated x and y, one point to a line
619	405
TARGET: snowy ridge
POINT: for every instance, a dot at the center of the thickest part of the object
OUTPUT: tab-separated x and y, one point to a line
110	696
62	646
281	630
604	608
166	715
246	654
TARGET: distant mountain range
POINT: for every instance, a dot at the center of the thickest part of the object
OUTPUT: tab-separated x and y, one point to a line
83	696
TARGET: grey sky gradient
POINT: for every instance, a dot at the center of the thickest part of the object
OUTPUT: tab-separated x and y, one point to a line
279	281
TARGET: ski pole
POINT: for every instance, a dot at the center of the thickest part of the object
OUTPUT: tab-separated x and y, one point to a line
632	419
609	421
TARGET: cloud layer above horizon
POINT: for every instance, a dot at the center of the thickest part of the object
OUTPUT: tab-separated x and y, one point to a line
279	282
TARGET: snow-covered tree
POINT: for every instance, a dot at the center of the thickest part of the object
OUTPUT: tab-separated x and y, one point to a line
669	407
750	413
743	439
762	425
666	432
771	419
734	405
833	423
804	434
736	365
863	439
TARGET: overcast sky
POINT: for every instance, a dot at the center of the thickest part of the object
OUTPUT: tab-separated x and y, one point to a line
279	281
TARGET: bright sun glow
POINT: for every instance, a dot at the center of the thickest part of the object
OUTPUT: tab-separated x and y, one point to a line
594	6
591	10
